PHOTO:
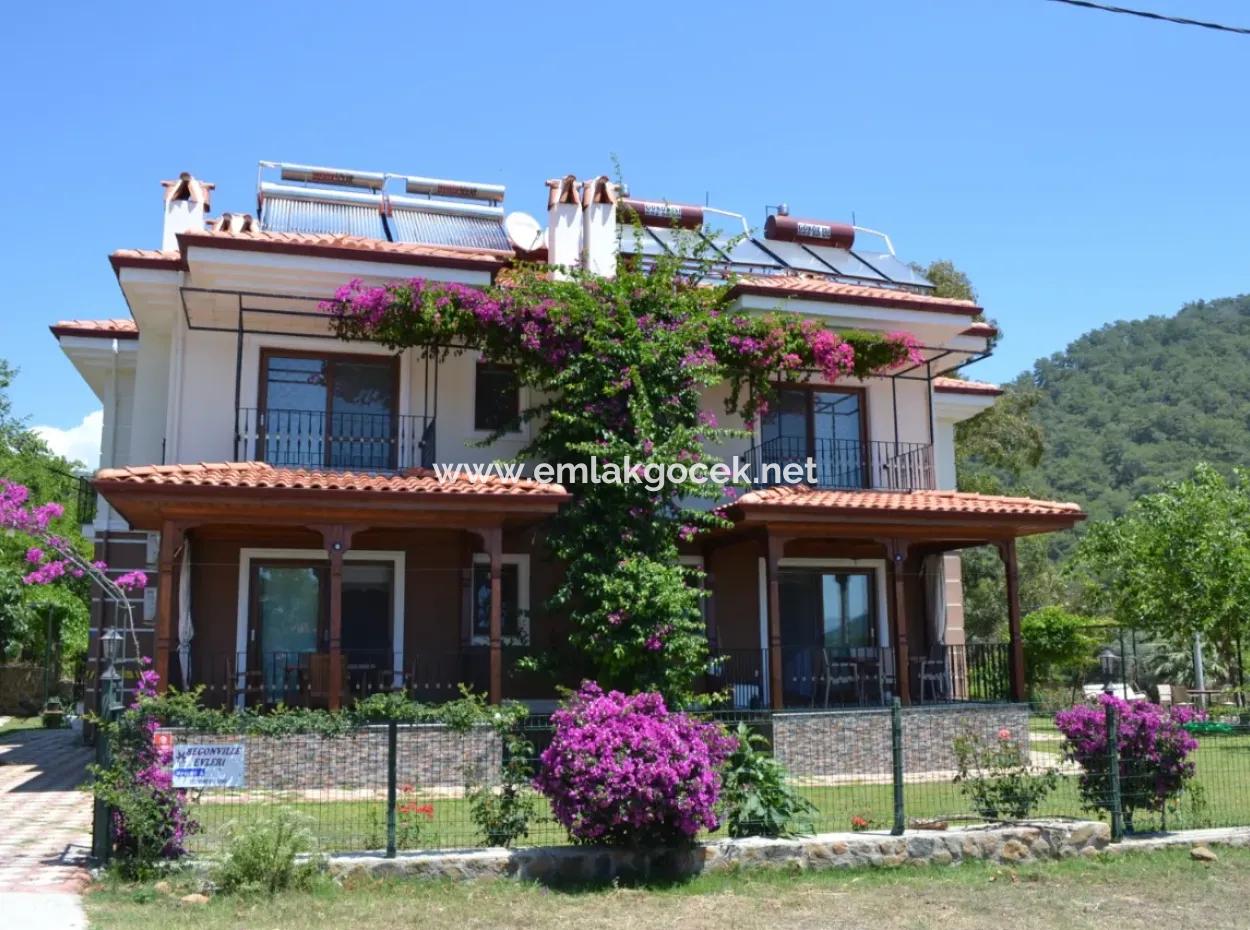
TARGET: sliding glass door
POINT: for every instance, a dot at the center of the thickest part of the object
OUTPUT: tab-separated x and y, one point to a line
826	425
828	633
336	411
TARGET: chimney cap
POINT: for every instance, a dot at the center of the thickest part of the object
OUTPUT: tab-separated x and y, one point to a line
188	187
562	190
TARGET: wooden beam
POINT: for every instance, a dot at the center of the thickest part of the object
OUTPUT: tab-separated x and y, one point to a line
896	555
172	535
338	540
493	540
1011	571
774	550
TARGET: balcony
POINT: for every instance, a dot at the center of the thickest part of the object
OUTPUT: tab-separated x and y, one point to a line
843	464
341	441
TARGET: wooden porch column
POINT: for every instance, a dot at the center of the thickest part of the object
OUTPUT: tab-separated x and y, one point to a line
337	540
171	542
493	539
896	554
709	603
774	549
1007	552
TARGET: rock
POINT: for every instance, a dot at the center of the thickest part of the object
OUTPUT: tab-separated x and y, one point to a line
1203	854
194	899
1013	851
930	825
162	887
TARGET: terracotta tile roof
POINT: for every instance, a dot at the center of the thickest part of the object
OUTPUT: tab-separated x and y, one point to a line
145	258
813	288
907	502
258	475
236	235
960	386
981	328
350	246
100	329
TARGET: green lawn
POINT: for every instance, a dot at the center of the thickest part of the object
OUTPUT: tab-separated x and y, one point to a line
1128	892
21	723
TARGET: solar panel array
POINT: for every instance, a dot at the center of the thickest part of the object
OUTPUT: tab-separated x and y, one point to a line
407	224
743	255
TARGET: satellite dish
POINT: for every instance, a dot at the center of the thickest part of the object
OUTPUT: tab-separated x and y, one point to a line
523	231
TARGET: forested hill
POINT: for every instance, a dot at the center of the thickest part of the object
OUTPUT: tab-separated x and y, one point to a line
1134	404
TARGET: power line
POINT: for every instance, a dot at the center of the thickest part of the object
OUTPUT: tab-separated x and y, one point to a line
1146	14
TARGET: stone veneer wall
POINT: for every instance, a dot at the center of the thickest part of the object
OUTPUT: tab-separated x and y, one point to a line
427	755
572	864
21	690
832	744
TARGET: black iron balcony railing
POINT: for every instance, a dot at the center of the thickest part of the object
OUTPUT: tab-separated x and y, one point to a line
815	676
315	439
843	464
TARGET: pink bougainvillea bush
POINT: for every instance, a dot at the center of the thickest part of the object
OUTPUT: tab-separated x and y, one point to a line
1154	750
151	818
624	770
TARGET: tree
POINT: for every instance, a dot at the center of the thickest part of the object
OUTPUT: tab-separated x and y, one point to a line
1177	563
26	460
1059	645
620	366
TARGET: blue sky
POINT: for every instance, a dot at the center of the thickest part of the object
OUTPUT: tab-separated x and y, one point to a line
1081	167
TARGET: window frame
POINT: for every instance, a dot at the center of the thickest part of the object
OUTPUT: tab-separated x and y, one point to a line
480	430
392	361
522	563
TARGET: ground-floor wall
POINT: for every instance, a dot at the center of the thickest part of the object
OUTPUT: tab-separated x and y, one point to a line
435	625
836	745
427	755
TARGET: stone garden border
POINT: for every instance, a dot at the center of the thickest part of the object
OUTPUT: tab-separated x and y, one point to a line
1012	845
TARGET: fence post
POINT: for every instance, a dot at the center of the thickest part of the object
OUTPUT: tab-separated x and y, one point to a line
1113	771
896	749
102	814
392	766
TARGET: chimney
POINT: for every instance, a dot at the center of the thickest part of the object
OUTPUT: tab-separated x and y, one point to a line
599	240
564	222
186	201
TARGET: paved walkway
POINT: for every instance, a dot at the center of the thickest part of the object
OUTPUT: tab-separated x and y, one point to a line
45	829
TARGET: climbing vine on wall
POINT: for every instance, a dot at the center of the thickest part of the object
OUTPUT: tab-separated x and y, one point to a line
617	368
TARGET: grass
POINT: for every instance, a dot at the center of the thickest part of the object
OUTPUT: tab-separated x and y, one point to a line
1221	797
1128	892
14	724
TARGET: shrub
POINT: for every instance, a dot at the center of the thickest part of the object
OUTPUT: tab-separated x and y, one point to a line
624	771
997	777
261	855
150	817
756	797
1153	745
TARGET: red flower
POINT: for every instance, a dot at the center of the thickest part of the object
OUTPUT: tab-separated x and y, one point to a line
426	810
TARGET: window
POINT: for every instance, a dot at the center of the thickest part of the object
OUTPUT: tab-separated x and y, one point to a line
514	582
336	411
497	397
828	608
822	424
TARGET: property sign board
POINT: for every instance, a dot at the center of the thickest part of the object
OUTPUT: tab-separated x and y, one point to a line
221	765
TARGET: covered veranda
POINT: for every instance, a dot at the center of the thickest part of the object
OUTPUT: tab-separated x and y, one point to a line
833	597
325	528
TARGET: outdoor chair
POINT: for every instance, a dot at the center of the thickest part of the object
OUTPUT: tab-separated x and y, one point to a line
935	676
840	673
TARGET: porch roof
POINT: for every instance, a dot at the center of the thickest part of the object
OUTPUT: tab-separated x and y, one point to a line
256	492
918	514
